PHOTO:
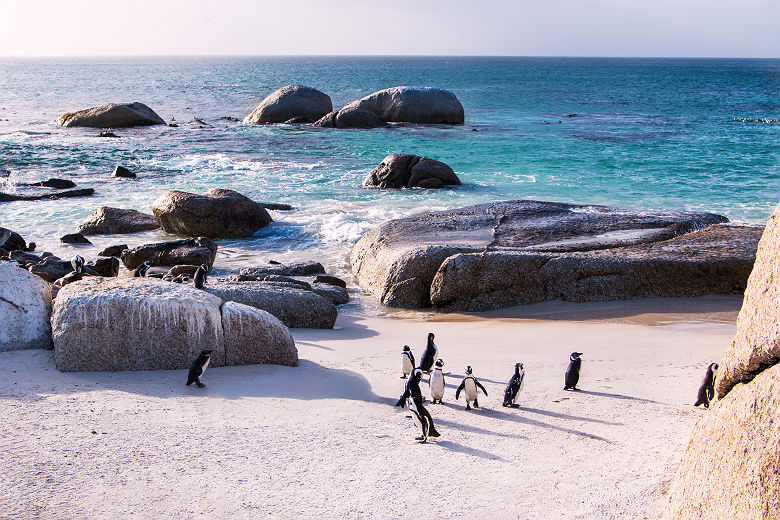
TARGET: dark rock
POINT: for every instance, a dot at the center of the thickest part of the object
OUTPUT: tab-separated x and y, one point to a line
74	238
330	280
300	120
51	269
413	105
113	115
59	184
296	269
83	192
24	257
111	221
358	118
156	272
105	266
328	120
107	134
113	250
285	279
191	251
277	207
218	213
178	270
11	240
290	102
403	170
121	171
336	295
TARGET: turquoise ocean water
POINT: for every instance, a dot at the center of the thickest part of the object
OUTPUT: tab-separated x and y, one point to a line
648	133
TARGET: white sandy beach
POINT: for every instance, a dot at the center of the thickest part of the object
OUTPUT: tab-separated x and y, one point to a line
323	440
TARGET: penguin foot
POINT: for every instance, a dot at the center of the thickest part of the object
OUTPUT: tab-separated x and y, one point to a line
468	407
403	376
200	385
514	405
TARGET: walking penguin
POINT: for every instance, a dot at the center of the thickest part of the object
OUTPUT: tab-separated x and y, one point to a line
470	385
407	361
412	397
707	388
573	372
437	382
198	367
514	386
200	276
429	356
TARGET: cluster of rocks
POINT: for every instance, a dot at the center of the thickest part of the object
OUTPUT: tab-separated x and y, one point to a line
403	170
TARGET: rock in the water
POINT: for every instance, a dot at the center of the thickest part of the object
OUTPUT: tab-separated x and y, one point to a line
74	238
193	251
105	266
52	269
334	294
291	102
413	105
58	184
113	115
24	258
328	120
81	192
121	171
330	280
25	309
112	221
253	336
403	170
757	343
296	269
276	207
357	118
113	250
284	279
11	240
510	253
107	134
217	214
295	306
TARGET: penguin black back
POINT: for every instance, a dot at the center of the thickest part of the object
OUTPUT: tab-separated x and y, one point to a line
78	264
200	276
198	367
140	271
707	388
573	372
514	385
429	356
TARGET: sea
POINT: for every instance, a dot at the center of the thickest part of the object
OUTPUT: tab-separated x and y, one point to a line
659	134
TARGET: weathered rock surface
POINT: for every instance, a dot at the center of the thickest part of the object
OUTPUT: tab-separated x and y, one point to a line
357	118
403	170
51	269
295	269
334	294
104	266
217	214
111	221
193	251
81	192
25	309
757	343
295	306
114	250
502	254
330	280
11	240
303	104
112	115
262	338
412	105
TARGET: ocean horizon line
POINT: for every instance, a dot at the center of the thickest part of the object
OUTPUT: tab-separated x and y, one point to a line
487	56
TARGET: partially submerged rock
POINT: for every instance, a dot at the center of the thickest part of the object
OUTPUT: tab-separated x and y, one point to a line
81	192
25	308
121	171
412	105
11	240
57	184
193	251
112	115
292	102
403	170
217	214
74	238
51	269
111	221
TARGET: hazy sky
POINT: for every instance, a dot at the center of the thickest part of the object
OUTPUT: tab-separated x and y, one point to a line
739	28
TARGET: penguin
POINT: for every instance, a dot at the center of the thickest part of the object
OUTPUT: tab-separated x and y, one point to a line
573	372
140	271
436	382
407	361
707	388
470	385
198	367
78	264
422	420
429	356
200	276
514	386
413	395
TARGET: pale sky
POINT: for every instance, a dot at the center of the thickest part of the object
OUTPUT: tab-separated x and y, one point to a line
699	28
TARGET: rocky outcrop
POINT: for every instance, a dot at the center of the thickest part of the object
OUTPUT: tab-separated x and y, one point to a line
190	251
121	171
292	102
217	214
57	184
262	338
51	269
104	266
115	250
81	192
113	221
112	115
74	238
412	105
25	308
403	170
509	253
11	240
294	269
334	294
757	343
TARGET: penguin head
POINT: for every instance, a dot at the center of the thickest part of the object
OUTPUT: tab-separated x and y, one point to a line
416	374
78	264
518	366
205	268
430	337
440	362
575	355
407	348
714	367
206	353
468	370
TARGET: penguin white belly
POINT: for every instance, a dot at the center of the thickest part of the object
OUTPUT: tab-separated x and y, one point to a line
437	384
470	389
205	365
406	365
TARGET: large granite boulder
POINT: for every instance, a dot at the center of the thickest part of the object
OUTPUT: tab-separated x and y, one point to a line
403	170
356	118
25	309
190	251
217	214
757	343
263	338
295	306
11	240
112	115
113	221
412	105
509	253
296	102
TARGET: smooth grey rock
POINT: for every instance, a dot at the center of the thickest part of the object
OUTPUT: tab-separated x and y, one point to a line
336	295
113	250
74	238
331	280
113	221
112	115
217	214
328	120
25	309
413	105
24	257
191	251
357	118
295	269
403	170
51	269
254	336
289	102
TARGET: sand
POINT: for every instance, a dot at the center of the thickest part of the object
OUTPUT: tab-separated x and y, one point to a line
323	440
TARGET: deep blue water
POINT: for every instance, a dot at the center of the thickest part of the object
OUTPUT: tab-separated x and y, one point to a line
649	133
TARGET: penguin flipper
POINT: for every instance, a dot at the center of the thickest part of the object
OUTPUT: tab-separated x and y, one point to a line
460	389
479	385
401	402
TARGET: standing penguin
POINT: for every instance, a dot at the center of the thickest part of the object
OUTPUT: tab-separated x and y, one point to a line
430	355
422	421
436	382
198	367
407	361
200	276
140	271
470	385
707	388
413	394
573	372
514	386
78	264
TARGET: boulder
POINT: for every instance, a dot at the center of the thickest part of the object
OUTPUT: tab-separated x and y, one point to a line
192	251
757	343
111	221
253	336
413	105
217	214
295	269
509	253
357	118
11	240
81	192
112	115
334	294
178	270
328	120
25	309
295	306
403	170
121	171
24	258
51	269
330	280
105	266
57	184
74	238
113	250
291	102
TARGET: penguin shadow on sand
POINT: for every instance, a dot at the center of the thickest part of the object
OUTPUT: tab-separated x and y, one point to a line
467	450
616	396
500	414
